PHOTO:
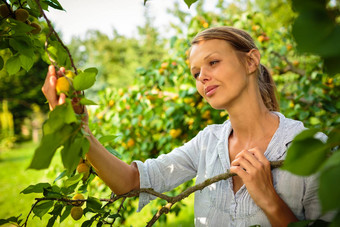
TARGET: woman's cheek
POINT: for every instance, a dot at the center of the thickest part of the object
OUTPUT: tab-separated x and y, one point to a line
200	88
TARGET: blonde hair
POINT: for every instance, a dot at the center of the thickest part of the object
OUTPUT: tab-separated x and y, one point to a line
241	41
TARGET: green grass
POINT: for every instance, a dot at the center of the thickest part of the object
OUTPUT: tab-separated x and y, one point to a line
14	177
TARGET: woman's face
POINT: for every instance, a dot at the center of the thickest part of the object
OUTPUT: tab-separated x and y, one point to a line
220	76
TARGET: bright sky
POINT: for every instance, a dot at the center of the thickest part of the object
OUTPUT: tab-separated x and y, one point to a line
104	15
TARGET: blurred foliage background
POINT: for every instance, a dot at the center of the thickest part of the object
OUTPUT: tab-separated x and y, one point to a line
146	96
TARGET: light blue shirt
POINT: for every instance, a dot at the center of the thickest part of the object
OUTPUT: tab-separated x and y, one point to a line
206	155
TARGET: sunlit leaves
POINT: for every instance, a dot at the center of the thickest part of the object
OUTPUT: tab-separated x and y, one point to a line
37	188
329	190
305	154
61	129
85	80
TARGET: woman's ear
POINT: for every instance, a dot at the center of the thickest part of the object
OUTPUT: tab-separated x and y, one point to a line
253	60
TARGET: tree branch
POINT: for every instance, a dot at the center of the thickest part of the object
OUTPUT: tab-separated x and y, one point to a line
290	67
170	199
57	36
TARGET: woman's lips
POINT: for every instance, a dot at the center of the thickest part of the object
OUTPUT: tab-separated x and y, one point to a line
210	90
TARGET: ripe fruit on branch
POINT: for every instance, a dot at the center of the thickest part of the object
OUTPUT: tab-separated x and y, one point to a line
76	197
4	10
63	85
21	15
70	74
37	28
85	169
76	213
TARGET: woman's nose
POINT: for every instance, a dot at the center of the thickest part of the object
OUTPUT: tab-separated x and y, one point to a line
204	76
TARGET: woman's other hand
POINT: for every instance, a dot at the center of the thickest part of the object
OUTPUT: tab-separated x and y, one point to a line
254	170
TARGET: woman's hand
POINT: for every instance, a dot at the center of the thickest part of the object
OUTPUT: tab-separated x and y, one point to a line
255	171
49	88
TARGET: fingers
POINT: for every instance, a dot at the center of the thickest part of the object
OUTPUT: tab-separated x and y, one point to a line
49	87
61	72
250	161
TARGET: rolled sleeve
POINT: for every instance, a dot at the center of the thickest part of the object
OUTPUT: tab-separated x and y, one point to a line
168	170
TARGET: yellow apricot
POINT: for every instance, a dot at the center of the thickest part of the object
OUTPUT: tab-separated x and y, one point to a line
77	197
63	85
76	213
85	169
21	15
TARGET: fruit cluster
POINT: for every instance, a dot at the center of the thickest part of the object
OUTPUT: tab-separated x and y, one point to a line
20	14
77	211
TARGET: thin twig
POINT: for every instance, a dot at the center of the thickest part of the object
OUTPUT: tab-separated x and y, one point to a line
164	210
57	36
290	64
25	223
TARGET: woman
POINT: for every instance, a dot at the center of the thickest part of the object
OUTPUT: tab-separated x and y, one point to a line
226	66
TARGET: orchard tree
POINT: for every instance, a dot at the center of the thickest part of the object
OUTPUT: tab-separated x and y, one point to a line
155	114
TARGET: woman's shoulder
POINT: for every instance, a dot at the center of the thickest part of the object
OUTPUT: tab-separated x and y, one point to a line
292	127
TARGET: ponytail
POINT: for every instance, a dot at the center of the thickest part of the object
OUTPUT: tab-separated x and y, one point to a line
267	89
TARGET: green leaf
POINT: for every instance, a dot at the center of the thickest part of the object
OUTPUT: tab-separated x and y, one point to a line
61	115
20	28
87	223
189	2
1	63
91	70
54	4
23	45
13	65
57	209
334	137
71	153
53	192
113	151
42	208
9	220
49	143
305	156
85	146
26	62
84	81
336	221
329	187
51	221
58	53
66	213
61	175
108	138
73	180
93	204
85	101
37	188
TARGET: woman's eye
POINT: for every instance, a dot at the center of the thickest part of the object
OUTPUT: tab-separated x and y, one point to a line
213	62
196	75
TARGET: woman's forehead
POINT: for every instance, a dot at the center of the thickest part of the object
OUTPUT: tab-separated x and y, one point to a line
205	48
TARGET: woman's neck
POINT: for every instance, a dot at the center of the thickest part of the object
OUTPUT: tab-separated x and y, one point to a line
253	123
